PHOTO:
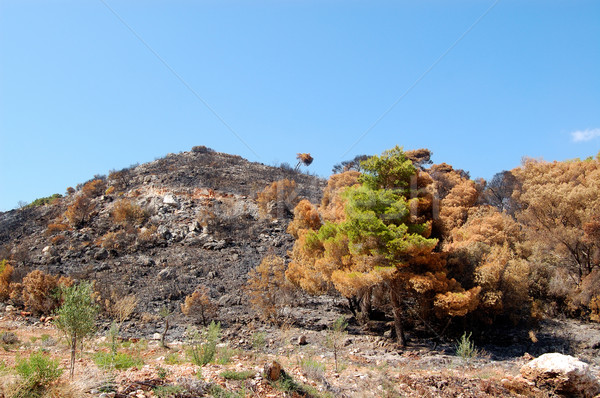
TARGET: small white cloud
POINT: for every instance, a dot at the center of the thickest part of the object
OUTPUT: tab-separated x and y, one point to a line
585	135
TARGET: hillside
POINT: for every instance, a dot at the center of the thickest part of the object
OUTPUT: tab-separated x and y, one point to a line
201	221
203	228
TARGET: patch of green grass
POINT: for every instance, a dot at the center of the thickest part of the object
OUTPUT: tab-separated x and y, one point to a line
224	354
234	375
173	359
119	361
162	372
168	391
313	369
219	392
259	340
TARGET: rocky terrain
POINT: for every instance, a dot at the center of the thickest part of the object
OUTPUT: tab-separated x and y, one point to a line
202	226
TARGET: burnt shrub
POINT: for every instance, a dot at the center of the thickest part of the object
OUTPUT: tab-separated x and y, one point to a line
202	149
39	293
278	199
127	213
80	212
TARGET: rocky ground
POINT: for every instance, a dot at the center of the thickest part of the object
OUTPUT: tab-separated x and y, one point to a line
368	365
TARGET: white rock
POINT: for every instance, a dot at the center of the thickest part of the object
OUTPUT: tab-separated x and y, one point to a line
170	200
156	336
563	374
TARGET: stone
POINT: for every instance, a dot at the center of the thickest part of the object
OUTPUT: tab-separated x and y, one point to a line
49	251
302	340
101	254
273	370
10	308
156	336
564	374
170	200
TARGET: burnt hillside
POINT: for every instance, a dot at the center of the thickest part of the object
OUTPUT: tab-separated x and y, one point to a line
199	224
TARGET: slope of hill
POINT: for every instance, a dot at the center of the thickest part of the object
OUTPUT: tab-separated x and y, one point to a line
200	226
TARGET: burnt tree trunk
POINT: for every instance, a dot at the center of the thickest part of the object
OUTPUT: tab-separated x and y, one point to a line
397	311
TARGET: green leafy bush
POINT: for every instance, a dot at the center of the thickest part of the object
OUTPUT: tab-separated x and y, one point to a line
465	348
38	372
45	201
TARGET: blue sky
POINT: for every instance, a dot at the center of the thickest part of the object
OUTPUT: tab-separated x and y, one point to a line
88	86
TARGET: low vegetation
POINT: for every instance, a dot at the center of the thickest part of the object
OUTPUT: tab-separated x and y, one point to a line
403	247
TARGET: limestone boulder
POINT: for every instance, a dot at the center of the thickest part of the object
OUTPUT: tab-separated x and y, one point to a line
563	374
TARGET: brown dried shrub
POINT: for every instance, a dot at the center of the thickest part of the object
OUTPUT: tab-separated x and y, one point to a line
94	188
16	293
39	291
268	288
57	240
148	235
80	212
278	199
120	179
304	158
55	228
118	240
6	271
127	213
305	217
199	305
120	307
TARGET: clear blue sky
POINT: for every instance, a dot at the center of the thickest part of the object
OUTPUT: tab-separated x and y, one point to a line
480	83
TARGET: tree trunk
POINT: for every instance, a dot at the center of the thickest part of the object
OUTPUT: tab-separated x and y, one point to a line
162	337
365	305
397	310
73	350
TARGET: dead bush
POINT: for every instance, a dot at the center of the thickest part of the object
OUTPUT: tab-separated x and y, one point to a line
56	228
118	240
80	212
268	288
120	179
306	216
199	305
39	293
127	213
202	149
6	271
94	188
278	199
57	240
120	307
148	235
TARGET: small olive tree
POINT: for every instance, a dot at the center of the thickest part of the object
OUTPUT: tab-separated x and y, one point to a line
76	317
